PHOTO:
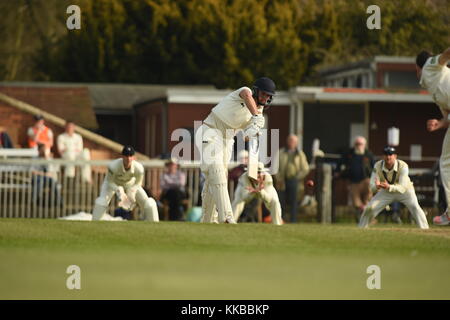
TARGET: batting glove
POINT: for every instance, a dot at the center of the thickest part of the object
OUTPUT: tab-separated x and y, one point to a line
251	131
257	120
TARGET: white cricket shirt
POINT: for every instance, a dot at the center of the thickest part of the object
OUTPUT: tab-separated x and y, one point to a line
436	79
233	111
126	178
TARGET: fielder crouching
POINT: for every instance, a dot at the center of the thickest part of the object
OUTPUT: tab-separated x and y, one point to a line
390	178
124	178
248	188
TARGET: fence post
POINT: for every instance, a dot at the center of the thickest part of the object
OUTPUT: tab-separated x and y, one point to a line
324	192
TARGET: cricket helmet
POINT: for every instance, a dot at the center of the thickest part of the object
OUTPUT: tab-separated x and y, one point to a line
388	150
128	151
266	85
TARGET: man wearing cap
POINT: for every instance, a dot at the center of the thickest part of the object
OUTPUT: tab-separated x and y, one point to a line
39	133
391	182
434	76
124	178
248	189
242	109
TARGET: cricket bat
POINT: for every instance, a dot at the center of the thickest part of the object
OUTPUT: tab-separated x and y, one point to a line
253	158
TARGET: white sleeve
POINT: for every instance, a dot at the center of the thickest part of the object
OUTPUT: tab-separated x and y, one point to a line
30	132
138	178
109	178
373	178
60	143
80	143
238	91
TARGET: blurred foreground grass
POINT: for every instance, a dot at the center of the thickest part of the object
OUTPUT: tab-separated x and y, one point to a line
181	260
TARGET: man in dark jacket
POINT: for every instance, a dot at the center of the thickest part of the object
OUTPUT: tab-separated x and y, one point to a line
5	140
357	166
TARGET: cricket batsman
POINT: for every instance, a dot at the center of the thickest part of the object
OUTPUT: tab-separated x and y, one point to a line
242	109
124	178
434	76
391	181
247	189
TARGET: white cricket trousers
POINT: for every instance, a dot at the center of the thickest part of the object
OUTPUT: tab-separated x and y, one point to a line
216	147
269	195
444	164
384	198
147	206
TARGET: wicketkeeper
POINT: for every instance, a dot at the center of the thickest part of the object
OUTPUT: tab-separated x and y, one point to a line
248	189
241	109
391	182
124	178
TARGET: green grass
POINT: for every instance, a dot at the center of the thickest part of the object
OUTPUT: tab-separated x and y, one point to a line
180	260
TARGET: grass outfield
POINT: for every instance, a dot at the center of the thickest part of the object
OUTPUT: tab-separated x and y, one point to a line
180	260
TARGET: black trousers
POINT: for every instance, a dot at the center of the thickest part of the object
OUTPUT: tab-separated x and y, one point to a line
174	197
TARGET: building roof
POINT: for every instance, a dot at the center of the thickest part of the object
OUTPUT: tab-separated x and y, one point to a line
69	102
113	97
368	63
58	121
314	94
120	98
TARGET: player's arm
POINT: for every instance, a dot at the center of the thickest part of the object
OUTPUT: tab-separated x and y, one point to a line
435	124
266	192
444	57
109	179
138	179
403	182
374	181
246	95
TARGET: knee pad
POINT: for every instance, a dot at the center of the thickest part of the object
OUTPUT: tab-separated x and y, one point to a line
150	210
100	201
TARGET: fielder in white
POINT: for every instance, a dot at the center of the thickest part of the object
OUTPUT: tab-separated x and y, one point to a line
434	76
241	109
248	189
390	178
124	178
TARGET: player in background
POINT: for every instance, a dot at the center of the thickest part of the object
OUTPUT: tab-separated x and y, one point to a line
391	181
124	178
434	76
241	109
247	189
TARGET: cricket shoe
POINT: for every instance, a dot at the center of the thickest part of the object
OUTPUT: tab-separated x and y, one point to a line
441	220
230	221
